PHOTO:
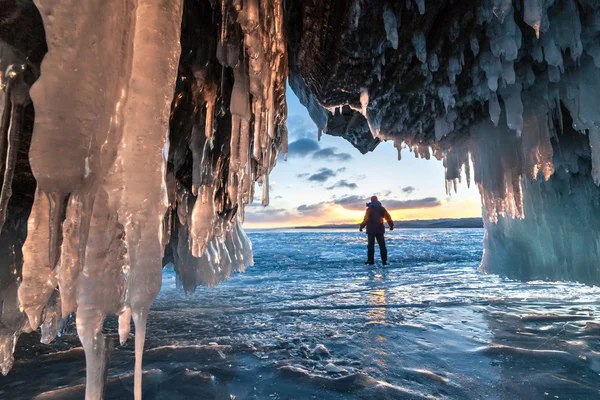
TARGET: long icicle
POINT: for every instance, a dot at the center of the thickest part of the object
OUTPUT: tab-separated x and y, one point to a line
14	135
17	94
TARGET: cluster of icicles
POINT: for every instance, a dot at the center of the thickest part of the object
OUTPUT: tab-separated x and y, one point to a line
562	47
106	203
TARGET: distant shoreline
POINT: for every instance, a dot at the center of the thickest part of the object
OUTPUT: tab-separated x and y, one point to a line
412	224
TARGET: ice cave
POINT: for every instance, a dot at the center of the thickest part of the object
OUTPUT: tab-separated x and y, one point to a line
134	133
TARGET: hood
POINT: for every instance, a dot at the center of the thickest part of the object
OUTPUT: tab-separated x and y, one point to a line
375	203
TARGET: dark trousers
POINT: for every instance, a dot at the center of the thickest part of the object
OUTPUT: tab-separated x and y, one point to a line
371	248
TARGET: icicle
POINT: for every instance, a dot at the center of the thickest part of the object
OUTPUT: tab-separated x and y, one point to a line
454	68
244	149
445	93
197	145
13	323
17	91
594	135
474	46
454	31
75	231
234	146
51	318
420	45
258	132
434	63
283	147
391	26
513	107
505	38
421	6
38	277
443	127
494	108
210	97
502	8
203	217
142	174
124	325
492	66
532	14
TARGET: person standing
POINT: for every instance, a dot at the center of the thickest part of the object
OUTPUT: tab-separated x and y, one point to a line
373	221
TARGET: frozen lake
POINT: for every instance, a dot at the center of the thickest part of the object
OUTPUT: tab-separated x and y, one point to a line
311	321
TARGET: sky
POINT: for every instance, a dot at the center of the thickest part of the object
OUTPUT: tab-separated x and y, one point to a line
329	182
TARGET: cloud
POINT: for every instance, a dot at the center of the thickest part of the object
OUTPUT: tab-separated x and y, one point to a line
343	184
302	147
408	189
328	153
302	175
311	209
322	175
426	202
355	202
383	194
300	126
256	214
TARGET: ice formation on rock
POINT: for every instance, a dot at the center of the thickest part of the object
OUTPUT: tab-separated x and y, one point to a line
156	162
155	119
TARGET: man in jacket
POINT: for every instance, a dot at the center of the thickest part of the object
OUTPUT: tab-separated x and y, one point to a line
373	220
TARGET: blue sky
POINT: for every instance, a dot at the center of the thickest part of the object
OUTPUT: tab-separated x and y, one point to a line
329	181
